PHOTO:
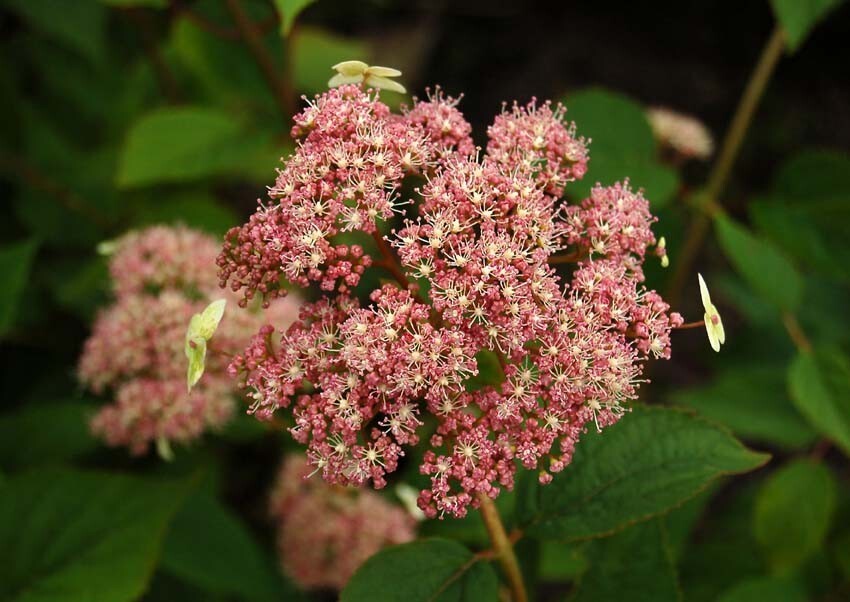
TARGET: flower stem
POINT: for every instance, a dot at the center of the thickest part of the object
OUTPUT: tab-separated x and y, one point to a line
503	548
728	153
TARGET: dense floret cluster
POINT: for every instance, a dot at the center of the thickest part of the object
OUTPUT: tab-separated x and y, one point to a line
162	276
325	532
490	266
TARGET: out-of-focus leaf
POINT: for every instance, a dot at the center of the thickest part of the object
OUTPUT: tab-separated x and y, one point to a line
705	566
680	522
15	264
45	433
752	401
136	3
622	146
82	28
651	461
50	220
635	565
813	174
225	74
208	546
74	535
793	512
813	231
774	589
433	570
185	143
761	264
79	285
799	17
841	552
196	210
289	11
316	51
820	387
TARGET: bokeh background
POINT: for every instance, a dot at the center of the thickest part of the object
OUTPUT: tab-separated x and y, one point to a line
122	113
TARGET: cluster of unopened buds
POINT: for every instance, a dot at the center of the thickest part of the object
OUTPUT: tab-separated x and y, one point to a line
325	532
466	258
161	276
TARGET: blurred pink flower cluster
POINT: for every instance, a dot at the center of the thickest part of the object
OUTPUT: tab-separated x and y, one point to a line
325	532
491	265
161	276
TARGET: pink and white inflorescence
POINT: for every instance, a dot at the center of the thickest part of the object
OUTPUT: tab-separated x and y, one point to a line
162	276
490	264
325	532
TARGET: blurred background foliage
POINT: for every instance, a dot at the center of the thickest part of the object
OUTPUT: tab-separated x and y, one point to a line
121	113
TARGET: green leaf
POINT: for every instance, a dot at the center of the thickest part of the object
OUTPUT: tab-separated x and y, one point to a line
136	3
653	460
45	433
289	11
82	28
622	146
841	553
316	51
426	570
793	512
813	174
82	535
761	264
774	589
208	546
751	400
799	17
193	209
15	264
560	562
820	387
185	143
635	565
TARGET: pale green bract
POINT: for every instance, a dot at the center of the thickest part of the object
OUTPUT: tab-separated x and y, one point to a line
202	326
355	72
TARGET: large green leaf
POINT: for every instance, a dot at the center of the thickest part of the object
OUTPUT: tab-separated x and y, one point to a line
793	513
69	535
426	570
651	461
761	264
15	264
187	143
753	401
208	546
813	174
635	565
193	209
799	17
774	589
622	145
820	387
82	28
44	433
289	11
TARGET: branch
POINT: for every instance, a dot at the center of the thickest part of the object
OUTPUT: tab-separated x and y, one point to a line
503	547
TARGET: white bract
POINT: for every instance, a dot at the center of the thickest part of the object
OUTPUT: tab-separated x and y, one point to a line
713	323
355	72
202	326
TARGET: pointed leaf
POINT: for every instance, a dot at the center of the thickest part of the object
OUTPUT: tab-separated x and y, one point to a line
653	460
799	17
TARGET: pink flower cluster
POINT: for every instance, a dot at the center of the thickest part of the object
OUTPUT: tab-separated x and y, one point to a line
495	266
161	277
326	532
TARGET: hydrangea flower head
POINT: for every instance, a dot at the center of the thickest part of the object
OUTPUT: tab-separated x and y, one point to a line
485	262
162	276
324	532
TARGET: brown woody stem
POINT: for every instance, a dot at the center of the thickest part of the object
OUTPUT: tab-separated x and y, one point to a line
503	548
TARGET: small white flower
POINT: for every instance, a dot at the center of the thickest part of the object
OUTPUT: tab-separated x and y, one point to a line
713	323
355	72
